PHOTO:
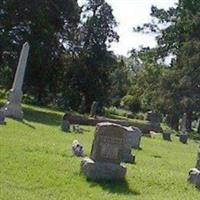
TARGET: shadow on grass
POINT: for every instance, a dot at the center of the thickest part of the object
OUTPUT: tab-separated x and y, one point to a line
119	187
48	118
156	156
27	124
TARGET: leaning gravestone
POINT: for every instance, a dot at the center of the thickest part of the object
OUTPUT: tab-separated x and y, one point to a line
2	118
108	151
93	109
13	106
134	136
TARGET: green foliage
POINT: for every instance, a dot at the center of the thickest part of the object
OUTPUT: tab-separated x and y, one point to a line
44	24
176	89
132	103
68	49
37	163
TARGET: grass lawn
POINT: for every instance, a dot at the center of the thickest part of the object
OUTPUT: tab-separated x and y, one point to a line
36	163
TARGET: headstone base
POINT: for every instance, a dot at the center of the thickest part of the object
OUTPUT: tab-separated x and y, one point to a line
102	171
194	177
13	106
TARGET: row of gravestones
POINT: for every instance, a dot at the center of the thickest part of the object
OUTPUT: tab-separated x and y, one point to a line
183	138
152	117
112	146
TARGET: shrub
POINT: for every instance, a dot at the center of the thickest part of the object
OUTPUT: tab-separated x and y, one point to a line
132	103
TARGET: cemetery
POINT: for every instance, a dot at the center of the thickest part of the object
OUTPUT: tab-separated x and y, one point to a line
79	121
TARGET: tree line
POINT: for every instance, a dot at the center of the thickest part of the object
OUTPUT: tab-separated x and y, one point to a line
70	60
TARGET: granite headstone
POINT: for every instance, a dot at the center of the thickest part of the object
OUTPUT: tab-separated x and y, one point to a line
110	148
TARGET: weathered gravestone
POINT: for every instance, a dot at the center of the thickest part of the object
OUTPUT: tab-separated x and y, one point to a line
194	177
194	173
166	136
183	138
109	149
134	136
65	124
2	118
13	107
153	117
93	109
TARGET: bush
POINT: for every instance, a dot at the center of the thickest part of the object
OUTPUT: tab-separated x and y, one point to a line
132	103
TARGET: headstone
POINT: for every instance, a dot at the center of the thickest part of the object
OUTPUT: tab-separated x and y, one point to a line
13	106
153	117
2	118
110	148
166	136
93	109
194	173
183	138
65	124
194	177
134	137
183	128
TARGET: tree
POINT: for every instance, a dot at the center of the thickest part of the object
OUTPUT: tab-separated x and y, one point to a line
92	66
178	36
46	25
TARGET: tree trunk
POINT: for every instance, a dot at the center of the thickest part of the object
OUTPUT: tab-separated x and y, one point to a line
174	122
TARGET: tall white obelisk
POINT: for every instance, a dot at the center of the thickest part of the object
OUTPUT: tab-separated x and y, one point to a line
13	107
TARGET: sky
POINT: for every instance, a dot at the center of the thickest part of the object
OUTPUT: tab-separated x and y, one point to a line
132	13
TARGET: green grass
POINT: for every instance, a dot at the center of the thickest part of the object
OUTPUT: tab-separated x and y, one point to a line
36	163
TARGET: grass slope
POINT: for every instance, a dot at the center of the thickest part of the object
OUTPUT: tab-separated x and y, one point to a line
36	163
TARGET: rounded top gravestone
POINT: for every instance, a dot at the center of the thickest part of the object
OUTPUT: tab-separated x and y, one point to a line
109	143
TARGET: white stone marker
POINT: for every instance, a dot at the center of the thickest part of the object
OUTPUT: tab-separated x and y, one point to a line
13	106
